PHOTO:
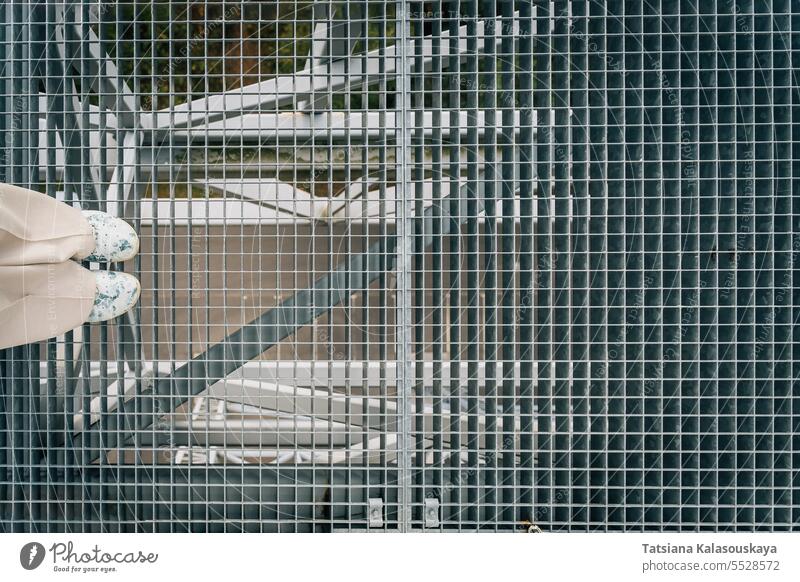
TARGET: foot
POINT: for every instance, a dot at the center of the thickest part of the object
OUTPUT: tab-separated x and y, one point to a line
114	239
116	294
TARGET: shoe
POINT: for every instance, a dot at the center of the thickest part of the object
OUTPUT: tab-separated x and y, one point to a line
116	294
114	239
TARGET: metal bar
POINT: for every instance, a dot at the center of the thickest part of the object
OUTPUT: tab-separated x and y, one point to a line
472	250
6	459
765	283
670	245
437	227
419	286
633	295
405	250
653	266
508	267
89	199
784	247
725	256
367	417
746	249
6	488
454	260
615	265
5	109
524	496
383	241
38	405
489	80
708	211
51	423
690	257
543	265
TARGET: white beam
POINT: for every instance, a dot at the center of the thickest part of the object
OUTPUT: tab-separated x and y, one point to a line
213	211
353	127
285	199
123	178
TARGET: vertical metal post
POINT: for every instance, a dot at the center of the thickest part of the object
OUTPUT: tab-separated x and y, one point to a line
5	76
417	90
405	242
652	226
526	268
543	265
784	247
473	239
724	258
742	249
490	264
508	263
688	336
453	277
437	291
708	227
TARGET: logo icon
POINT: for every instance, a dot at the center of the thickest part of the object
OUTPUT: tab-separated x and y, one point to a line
31	555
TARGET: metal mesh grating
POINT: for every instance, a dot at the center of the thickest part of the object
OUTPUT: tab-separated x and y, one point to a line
413	265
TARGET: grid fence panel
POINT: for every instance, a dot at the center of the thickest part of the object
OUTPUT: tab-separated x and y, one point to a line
486	264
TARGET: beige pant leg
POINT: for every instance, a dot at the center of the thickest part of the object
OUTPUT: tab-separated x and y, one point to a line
42	293
36	229
42	301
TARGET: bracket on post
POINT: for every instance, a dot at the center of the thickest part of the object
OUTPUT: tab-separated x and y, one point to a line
375	512
431	512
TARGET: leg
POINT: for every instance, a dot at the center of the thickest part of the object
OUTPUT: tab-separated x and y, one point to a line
35	228
42	301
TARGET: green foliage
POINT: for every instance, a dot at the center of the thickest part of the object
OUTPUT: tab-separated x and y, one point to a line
178	50
182	50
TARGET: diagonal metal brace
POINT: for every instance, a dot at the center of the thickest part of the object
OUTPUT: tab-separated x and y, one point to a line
275	325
